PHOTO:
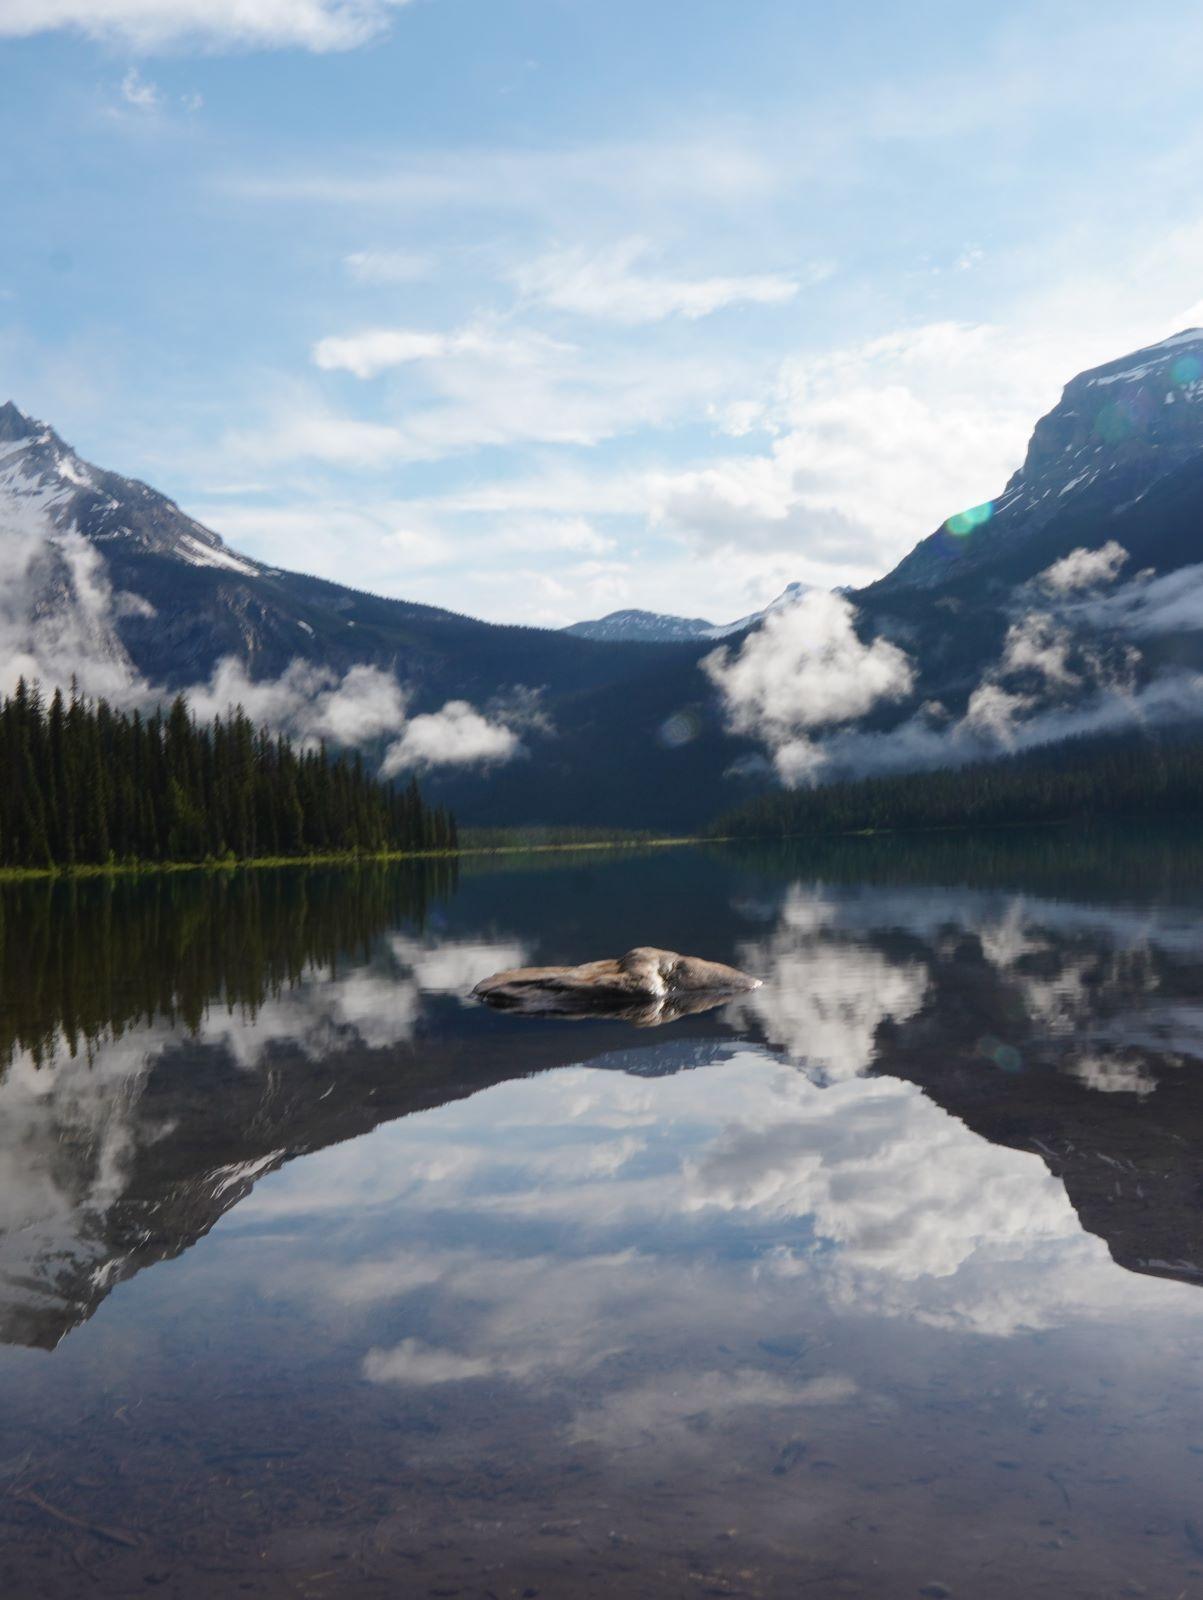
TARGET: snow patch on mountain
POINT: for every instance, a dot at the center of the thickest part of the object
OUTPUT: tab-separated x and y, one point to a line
59	615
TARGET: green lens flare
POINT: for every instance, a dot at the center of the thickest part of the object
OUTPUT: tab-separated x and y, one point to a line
1113	423
964	523
1186	369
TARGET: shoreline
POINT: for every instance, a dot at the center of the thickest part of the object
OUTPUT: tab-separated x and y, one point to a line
138	869
133	869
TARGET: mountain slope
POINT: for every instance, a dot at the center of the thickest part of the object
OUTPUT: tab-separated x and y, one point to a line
631	732
122	578
1116	431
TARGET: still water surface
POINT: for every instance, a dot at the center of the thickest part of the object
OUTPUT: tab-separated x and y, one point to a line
318	1279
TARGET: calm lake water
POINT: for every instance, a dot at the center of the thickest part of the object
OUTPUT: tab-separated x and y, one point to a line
318	1279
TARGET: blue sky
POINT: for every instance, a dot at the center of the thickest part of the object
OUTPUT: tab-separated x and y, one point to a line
538	308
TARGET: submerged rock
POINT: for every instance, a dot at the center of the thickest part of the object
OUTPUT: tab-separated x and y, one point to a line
646	985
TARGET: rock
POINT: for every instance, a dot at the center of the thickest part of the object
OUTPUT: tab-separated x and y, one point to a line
645	986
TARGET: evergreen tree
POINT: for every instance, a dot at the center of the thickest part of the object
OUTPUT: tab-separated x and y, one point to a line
83	782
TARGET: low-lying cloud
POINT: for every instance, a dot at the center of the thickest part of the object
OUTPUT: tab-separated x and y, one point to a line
1084	569
458	735
804	669
1068	666
58	627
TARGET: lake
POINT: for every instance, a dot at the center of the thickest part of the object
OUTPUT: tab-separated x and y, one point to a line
318	1278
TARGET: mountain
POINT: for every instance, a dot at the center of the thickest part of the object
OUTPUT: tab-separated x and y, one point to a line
627	730
653	627
107	569
1117	431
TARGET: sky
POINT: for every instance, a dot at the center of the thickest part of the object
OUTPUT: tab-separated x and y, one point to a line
536	309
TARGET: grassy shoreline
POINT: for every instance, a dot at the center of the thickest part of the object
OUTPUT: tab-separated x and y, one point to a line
133	869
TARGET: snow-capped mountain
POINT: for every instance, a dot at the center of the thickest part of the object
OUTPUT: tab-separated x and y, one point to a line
46	489
98	567
649	627
654	627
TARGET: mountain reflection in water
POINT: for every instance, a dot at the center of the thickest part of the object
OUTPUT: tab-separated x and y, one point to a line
852	1282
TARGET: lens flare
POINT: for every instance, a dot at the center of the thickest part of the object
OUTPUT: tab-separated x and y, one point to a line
965	522
1186	369
679	729
1114	423
1004	1056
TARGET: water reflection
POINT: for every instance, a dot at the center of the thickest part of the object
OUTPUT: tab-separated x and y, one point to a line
863	1283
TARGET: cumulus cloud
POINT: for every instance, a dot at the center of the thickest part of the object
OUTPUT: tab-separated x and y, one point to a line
318	25
609	285
306	701
1084	569
313	703
137	92
806	668
458	735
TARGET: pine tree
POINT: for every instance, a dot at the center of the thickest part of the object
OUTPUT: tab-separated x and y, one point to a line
86	783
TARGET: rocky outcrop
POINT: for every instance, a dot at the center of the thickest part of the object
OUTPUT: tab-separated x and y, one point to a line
647	984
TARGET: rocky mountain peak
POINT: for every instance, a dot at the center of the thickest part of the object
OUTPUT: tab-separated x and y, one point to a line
15	425
1116	430
46	488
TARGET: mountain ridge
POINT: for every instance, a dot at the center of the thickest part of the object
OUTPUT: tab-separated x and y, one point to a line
630	732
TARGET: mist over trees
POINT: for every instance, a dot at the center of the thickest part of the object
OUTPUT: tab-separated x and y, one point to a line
85	784
1079	778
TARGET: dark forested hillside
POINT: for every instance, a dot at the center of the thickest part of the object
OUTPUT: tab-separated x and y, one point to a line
1076	779
86	784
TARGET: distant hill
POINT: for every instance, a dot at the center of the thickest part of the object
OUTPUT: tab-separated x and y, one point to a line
653	627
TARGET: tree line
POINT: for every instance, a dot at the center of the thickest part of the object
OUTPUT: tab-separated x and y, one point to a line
1077	779
87	784
83	960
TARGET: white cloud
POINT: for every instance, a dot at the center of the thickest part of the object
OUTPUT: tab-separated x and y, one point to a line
311	434
306	701
375	350
387	266
823	997
608	285
1084	569
1151	605
137	92
419	1365
873	444
492	388
458	735
249	24
553	182
313	703
805	668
